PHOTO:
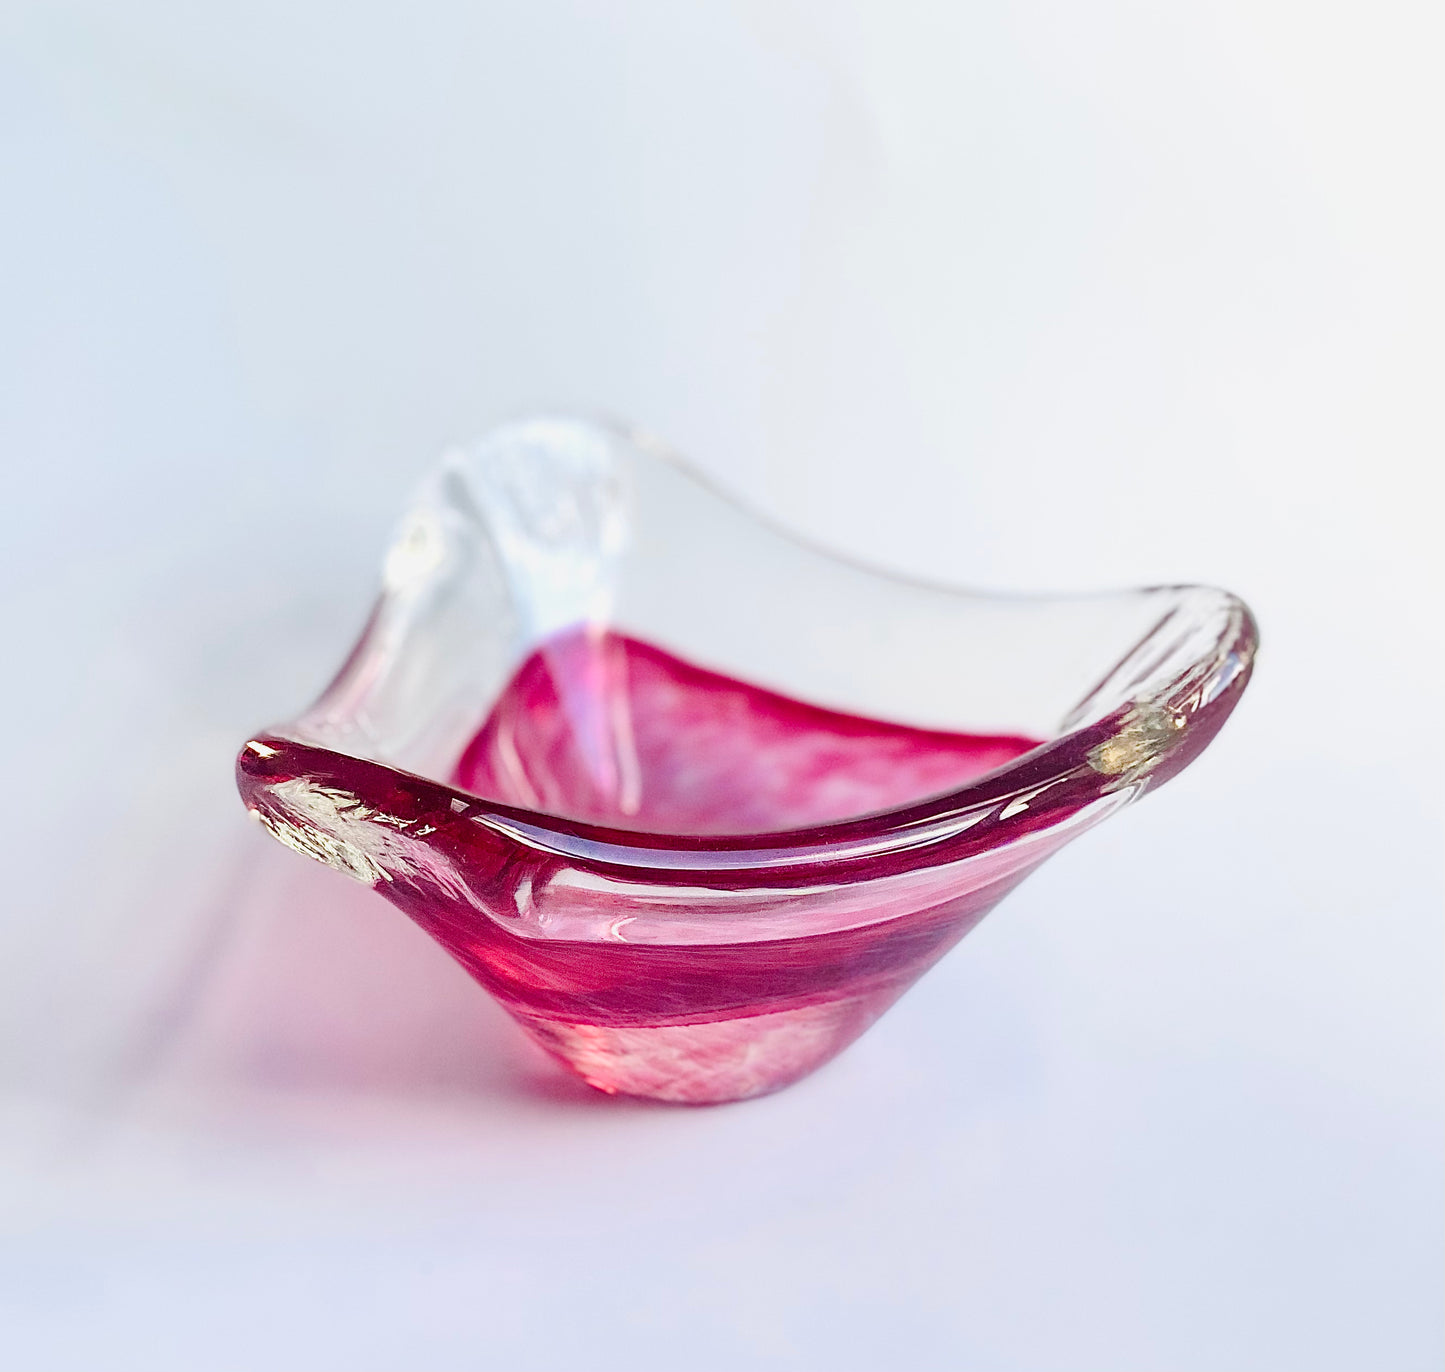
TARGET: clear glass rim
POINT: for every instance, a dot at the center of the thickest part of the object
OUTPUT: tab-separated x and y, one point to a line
1151	714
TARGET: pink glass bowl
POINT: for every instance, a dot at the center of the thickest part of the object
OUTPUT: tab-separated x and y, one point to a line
697	803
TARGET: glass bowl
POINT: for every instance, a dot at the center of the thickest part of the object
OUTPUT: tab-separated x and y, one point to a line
696	803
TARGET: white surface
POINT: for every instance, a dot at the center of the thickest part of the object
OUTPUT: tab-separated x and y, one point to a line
1024	295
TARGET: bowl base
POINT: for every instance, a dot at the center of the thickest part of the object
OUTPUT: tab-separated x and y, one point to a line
709	1063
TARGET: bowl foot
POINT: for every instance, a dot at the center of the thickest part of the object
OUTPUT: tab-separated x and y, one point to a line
708	1063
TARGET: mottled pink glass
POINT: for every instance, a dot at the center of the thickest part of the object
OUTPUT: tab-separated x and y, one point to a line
695	802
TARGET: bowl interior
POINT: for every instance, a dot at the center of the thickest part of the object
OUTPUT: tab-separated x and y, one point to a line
601	727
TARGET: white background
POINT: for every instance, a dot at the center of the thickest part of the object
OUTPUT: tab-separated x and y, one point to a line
1016	295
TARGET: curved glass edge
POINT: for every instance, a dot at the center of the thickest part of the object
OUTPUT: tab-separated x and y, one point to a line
1137	745
319	785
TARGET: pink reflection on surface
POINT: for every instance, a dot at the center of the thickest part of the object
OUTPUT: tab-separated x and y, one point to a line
313	987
